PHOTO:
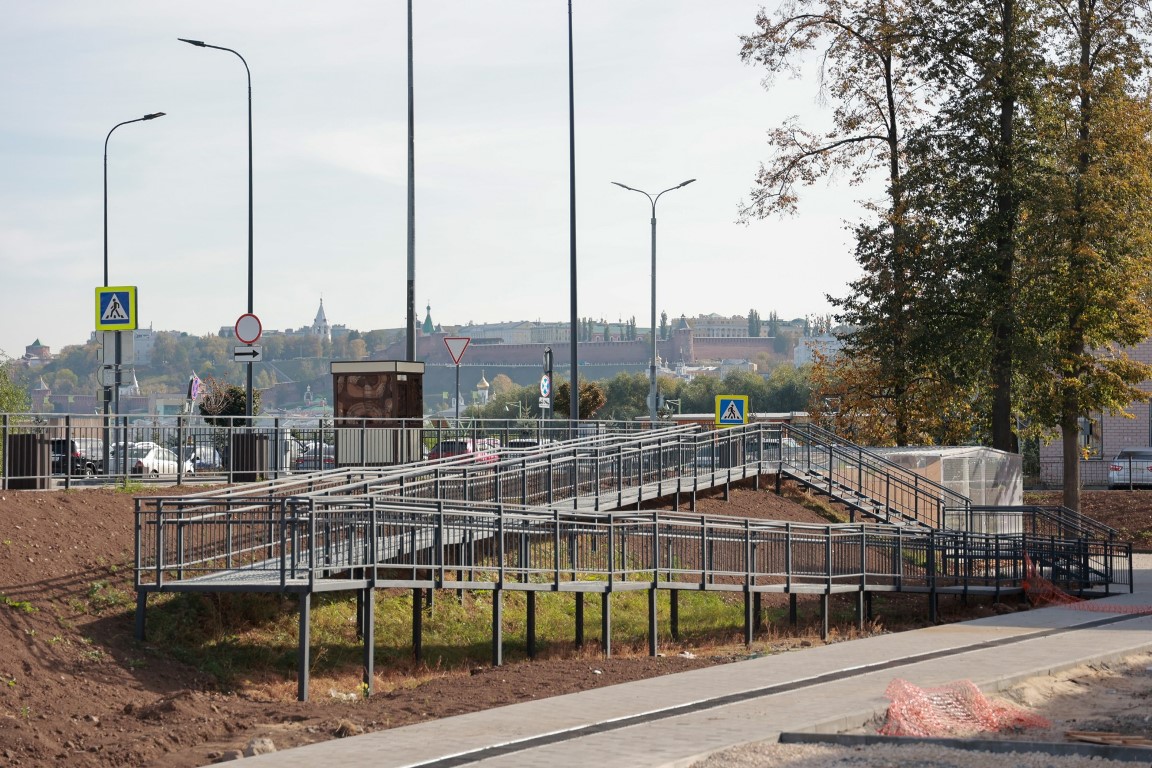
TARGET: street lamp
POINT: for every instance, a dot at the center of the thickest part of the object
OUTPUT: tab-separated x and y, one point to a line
201	44
519	408
652	200
118	347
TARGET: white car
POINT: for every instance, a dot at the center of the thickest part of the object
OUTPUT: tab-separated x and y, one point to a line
144	459
1131	468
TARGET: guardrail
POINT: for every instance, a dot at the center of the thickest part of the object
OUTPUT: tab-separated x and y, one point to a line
40	451
292	544
869	483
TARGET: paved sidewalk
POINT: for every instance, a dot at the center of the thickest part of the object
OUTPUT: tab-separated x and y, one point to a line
676	719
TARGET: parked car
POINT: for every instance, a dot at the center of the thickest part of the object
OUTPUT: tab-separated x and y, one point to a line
204	458
80	456
482	452
151	459
315	458
1131	468
525	443
772	448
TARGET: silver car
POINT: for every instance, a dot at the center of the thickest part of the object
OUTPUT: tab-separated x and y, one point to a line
1131	468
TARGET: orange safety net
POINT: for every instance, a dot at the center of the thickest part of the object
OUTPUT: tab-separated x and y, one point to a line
954	709
1041	593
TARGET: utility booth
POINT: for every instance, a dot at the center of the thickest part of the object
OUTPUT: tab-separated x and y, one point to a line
378	411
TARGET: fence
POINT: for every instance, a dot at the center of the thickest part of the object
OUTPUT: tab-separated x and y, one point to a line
40	451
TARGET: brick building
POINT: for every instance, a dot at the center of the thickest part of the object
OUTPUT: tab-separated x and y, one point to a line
1103	436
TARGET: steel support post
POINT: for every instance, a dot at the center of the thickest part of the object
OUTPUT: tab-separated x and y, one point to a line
579	619
652	621
302	651
748	630
824	611
418	624
531	628
497	627
606	623
368	632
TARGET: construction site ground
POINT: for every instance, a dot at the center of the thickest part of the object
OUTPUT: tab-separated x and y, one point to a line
77	689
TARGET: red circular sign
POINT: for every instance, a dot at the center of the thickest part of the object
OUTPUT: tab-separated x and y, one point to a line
248	328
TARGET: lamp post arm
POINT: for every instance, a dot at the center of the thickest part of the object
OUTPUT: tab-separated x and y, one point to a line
151	116
248	73
652	200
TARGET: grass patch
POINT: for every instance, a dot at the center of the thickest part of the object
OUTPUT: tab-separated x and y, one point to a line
102	596
23	606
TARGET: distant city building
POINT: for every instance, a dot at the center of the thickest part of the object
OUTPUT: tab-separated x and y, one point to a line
36	355
318	327
826	344
713	326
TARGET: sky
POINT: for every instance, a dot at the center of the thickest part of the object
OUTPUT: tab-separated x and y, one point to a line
661	96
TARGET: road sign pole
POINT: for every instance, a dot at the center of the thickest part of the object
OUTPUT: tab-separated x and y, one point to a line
457	394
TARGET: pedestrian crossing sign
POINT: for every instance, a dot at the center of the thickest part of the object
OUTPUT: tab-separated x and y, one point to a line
731	410
116	308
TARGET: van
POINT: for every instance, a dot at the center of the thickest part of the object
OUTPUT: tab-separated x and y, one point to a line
78	456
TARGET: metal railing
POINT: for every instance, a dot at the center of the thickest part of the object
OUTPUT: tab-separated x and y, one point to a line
239	449
869	483
301	541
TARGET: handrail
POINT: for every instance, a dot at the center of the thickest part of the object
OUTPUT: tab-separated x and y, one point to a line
929	501
1059	520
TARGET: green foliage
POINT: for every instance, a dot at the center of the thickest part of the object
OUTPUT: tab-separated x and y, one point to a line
592	399
223	400
1005	270
23	606
13	397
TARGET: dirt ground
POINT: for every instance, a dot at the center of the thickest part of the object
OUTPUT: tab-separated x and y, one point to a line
77	689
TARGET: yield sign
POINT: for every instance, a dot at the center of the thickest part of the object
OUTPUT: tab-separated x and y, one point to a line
456	346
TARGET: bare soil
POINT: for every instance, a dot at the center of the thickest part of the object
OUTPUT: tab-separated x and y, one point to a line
76	688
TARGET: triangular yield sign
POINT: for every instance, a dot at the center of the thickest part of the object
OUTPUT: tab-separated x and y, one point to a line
456	346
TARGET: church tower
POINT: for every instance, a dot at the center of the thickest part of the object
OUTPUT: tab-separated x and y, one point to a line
320	325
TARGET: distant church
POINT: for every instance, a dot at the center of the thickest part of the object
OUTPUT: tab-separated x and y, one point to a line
320	325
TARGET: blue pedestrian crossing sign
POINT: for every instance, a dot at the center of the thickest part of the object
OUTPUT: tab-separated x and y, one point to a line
731	410
116	308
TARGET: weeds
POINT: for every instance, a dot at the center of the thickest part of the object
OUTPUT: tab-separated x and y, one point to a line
102	597
18	605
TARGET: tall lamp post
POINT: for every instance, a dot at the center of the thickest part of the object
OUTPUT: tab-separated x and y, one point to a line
118	347
652	200
202	44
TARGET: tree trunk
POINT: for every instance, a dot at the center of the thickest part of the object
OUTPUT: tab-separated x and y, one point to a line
1070	437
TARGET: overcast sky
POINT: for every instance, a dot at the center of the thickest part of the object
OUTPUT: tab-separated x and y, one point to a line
661	96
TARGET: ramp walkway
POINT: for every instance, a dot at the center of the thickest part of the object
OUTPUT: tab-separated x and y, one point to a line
674	720
568	517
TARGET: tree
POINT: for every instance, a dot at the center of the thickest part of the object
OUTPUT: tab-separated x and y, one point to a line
220	401
13	397
592	398
850	396
664	326
626	396
502	384
789	389
65	382
863	49
1086	236
753	323
984	62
